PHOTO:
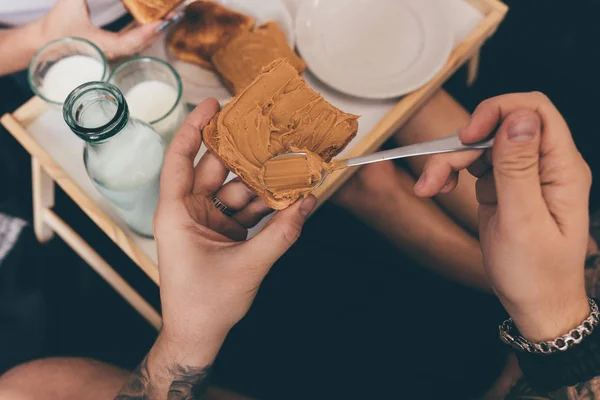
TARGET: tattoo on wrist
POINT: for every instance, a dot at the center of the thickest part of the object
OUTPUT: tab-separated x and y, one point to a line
190	383
187	383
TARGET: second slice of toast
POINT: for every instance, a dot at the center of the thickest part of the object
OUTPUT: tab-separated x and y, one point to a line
206	27
242	59
277	113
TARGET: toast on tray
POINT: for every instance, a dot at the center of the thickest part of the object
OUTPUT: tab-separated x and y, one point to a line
243	58
206	27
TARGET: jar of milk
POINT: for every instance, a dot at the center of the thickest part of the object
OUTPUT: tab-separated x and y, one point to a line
123	156
64	64
154	92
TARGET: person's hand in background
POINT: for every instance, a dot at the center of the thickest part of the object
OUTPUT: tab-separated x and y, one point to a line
533	191
72	18
209	273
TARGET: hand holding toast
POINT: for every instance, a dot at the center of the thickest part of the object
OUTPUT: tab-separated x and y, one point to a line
208	279
72	18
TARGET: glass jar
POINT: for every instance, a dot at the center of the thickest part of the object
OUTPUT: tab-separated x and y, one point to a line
154	91
122	156
64	64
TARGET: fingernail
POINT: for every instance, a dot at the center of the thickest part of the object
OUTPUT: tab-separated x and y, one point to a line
308	204
420	184
447	184
523	130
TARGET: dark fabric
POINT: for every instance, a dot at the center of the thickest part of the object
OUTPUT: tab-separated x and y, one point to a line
343	315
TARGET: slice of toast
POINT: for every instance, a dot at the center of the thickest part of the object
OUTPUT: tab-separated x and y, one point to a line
146	11
206	27
243	58
275	114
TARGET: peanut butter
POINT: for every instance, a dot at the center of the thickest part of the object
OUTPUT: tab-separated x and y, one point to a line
242	59
276	114
294	174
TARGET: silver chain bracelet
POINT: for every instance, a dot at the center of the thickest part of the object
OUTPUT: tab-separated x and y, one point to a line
510	335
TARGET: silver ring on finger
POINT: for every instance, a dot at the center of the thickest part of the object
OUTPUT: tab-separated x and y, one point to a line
222	207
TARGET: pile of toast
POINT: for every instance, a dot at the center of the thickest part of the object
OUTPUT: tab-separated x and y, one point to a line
218	38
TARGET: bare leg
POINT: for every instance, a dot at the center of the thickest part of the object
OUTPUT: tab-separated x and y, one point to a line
443	116
382	195
62	378
74	378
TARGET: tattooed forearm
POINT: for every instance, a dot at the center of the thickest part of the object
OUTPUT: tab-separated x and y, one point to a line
189	383
183	382
138	386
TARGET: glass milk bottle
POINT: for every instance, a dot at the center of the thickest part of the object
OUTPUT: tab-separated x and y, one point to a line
153	90
122	156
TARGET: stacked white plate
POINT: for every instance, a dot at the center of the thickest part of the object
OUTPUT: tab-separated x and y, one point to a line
374	49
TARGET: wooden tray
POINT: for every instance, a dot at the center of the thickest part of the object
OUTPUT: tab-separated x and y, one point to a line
45	136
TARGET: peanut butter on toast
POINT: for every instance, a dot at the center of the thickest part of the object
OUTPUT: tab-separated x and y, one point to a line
277	113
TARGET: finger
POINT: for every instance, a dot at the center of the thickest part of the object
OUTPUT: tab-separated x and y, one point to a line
451	183
280	233
438	170
253	213
481	165
485	212
136	39
235	195
483	122
485	189
491	112
225	226
516	170
210	175
177	177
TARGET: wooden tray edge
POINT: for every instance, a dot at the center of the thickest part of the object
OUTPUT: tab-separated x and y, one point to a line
31	110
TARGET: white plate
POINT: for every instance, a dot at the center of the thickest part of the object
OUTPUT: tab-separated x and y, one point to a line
200	83
373	48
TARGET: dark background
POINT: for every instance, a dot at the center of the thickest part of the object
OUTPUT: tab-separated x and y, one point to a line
342	315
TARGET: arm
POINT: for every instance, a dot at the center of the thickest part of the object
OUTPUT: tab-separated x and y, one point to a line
17	47
533	191
171	371
208	280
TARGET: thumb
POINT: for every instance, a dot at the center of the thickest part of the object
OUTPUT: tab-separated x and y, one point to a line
281	232
516	158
